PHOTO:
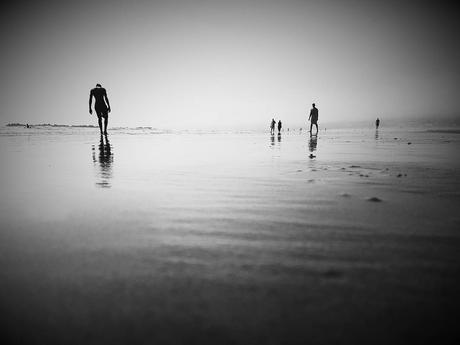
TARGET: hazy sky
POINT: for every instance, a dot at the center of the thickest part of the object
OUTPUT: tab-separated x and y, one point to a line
176	64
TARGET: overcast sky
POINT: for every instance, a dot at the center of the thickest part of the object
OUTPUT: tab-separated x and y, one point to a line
176	64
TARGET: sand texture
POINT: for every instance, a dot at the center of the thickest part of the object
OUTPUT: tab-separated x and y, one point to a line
229	238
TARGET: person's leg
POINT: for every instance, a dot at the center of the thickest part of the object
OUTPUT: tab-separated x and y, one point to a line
99	120
316	128
311	126
106	124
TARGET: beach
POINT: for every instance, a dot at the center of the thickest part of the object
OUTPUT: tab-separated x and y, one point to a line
238	237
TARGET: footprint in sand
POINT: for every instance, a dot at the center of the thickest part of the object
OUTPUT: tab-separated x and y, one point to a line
332	273
345	195
374	199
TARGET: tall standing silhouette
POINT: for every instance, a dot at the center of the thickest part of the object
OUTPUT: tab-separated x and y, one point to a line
101	106
314	118
272	126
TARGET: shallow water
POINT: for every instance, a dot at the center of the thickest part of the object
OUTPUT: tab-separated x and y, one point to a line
178	237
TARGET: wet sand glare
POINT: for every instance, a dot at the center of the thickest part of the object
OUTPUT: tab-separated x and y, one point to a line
229	238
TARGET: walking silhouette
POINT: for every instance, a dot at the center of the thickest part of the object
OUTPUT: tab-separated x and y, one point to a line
101	106
272	126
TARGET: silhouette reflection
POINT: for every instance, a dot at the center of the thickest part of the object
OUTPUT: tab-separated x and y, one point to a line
376	134
279	137
313	143
103	160
272	140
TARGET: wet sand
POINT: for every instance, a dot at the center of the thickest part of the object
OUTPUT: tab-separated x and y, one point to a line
229	238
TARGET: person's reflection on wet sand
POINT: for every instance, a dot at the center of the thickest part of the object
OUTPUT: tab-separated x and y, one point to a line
272	140
376	134
279	137
104	162
312	145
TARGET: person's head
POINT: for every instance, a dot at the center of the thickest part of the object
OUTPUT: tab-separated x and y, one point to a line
98	85
313	105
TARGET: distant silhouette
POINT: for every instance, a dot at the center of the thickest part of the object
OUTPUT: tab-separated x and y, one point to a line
377	123
104	160
272	126
279	126
101	106
27	125
314	118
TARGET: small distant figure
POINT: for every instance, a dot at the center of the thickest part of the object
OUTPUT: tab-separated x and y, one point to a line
279	126
314	118
377	123
101	106
272	126
27	125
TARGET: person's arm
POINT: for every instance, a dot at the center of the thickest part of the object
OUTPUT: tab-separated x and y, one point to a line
90	101
107	101
309	116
